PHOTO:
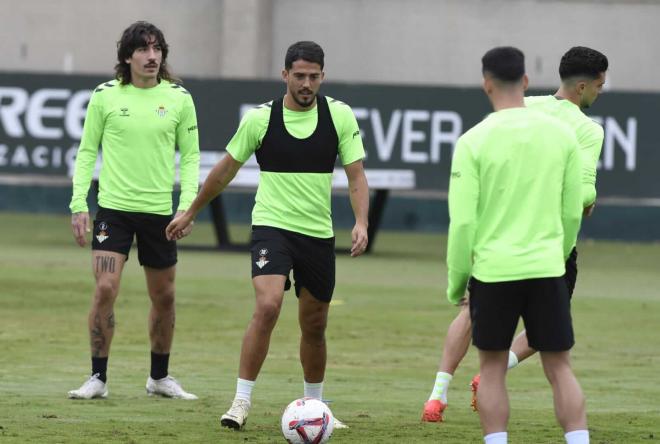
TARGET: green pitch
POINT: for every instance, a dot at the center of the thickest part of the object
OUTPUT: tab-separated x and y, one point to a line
385	335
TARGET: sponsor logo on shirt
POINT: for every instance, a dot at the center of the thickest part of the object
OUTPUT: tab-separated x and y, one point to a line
356	133
455	174
124	112
192	128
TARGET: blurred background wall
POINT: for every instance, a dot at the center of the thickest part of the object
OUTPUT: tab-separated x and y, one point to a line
429	42
387	58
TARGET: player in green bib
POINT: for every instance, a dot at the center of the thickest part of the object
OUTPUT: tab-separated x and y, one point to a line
582	72
139	119
296	140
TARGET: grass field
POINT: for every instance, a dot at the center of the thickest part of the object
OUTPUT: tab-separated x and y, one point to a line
385	333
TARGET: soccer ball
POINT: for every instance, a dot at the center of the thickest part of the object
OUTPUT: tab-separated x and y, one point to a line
307	421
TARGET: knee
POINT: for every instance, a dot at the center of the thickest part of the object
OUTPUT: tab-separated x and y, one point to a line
106	292
313	328
266	313
163	299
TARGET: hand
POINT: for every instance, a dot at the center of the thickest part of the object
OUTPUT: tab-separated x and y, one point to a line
80	226
180	227
360	239
588	211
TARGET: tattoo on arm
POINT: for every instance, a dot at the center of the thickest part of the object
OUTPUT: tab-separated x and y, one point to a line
105	263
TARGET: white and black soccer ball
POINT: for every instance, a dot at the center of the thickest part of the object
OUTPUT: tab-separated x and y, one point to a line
307	421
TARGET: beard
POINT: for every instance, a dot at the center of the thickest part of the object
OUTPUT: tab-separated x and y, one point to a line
305	103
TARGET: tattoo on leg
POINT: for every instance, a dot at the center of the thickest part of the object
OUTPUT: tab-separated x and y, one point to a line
97	337
105	263
111	320
156	333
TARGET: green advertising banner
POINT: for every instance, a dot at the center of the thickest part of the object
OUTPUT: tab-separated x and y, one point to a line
408	130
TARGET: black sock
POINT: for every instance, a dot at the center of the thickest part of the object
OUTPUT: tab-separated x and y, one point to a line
159	364
100	366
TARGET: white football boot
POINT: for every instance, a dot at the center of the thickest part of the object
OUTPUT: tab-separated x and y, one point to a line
92	388
339	424
236	416
167	387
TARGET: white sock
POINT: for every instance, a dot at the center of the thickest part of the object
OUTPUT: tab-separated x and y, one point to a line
313	389
577	437
496	438
442	381
513	360
244	389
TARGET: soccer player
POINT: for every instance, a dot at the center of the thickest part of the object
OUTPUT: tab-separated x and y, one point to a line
582	71
296	140
515	206
139	118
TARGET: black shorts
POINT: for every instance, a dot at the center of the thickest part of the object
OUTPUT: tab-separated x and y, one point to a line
277	251
571	271
570	276
544	304
114	231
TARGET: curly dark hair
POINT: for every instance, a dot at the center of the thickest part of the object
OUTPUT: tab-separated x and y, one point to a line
136	36
582	61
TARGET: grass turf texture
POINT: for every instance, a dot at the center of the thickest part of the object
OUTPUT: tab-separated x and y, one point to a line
384	339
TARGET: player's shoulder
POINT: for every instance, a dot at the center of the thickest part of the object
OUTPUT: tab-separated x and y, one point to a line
589	127
258	113
175	88
107	86
533	101
106	89
340	110
337	105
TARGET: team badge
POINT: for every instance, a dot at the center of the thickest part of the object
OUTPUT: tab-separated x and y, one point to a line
262	258
124	112
162	112
103	232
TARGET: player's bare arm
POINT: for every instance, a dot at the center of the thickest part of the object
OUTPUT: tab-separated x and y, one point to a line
219	177
359	195
80	226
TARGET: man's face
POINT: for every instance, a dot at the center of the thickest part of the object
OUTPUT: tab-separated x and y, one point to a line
145	60
591	90
303	81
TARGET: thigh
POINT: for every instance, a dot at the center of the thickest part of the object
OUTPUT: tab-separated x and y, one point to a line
547	315
270	253
160	283
112	232
154	249
495	308
314	266
107	267
312	312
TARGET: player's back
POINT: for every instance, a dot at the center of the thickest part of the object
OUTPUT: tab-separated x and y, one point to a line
520	156
589	136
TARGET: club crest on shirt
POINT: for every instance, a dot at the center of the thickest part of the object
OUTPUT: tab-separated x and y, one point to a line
262	258
161	111
103	232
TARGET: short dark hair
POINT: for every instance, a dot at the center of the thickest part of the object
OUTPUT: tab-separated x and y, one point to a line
504	63
305	50
580	61
137	36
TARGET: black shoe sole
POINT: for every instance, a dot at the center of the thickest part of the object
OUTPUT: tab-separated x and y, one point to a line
230	423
